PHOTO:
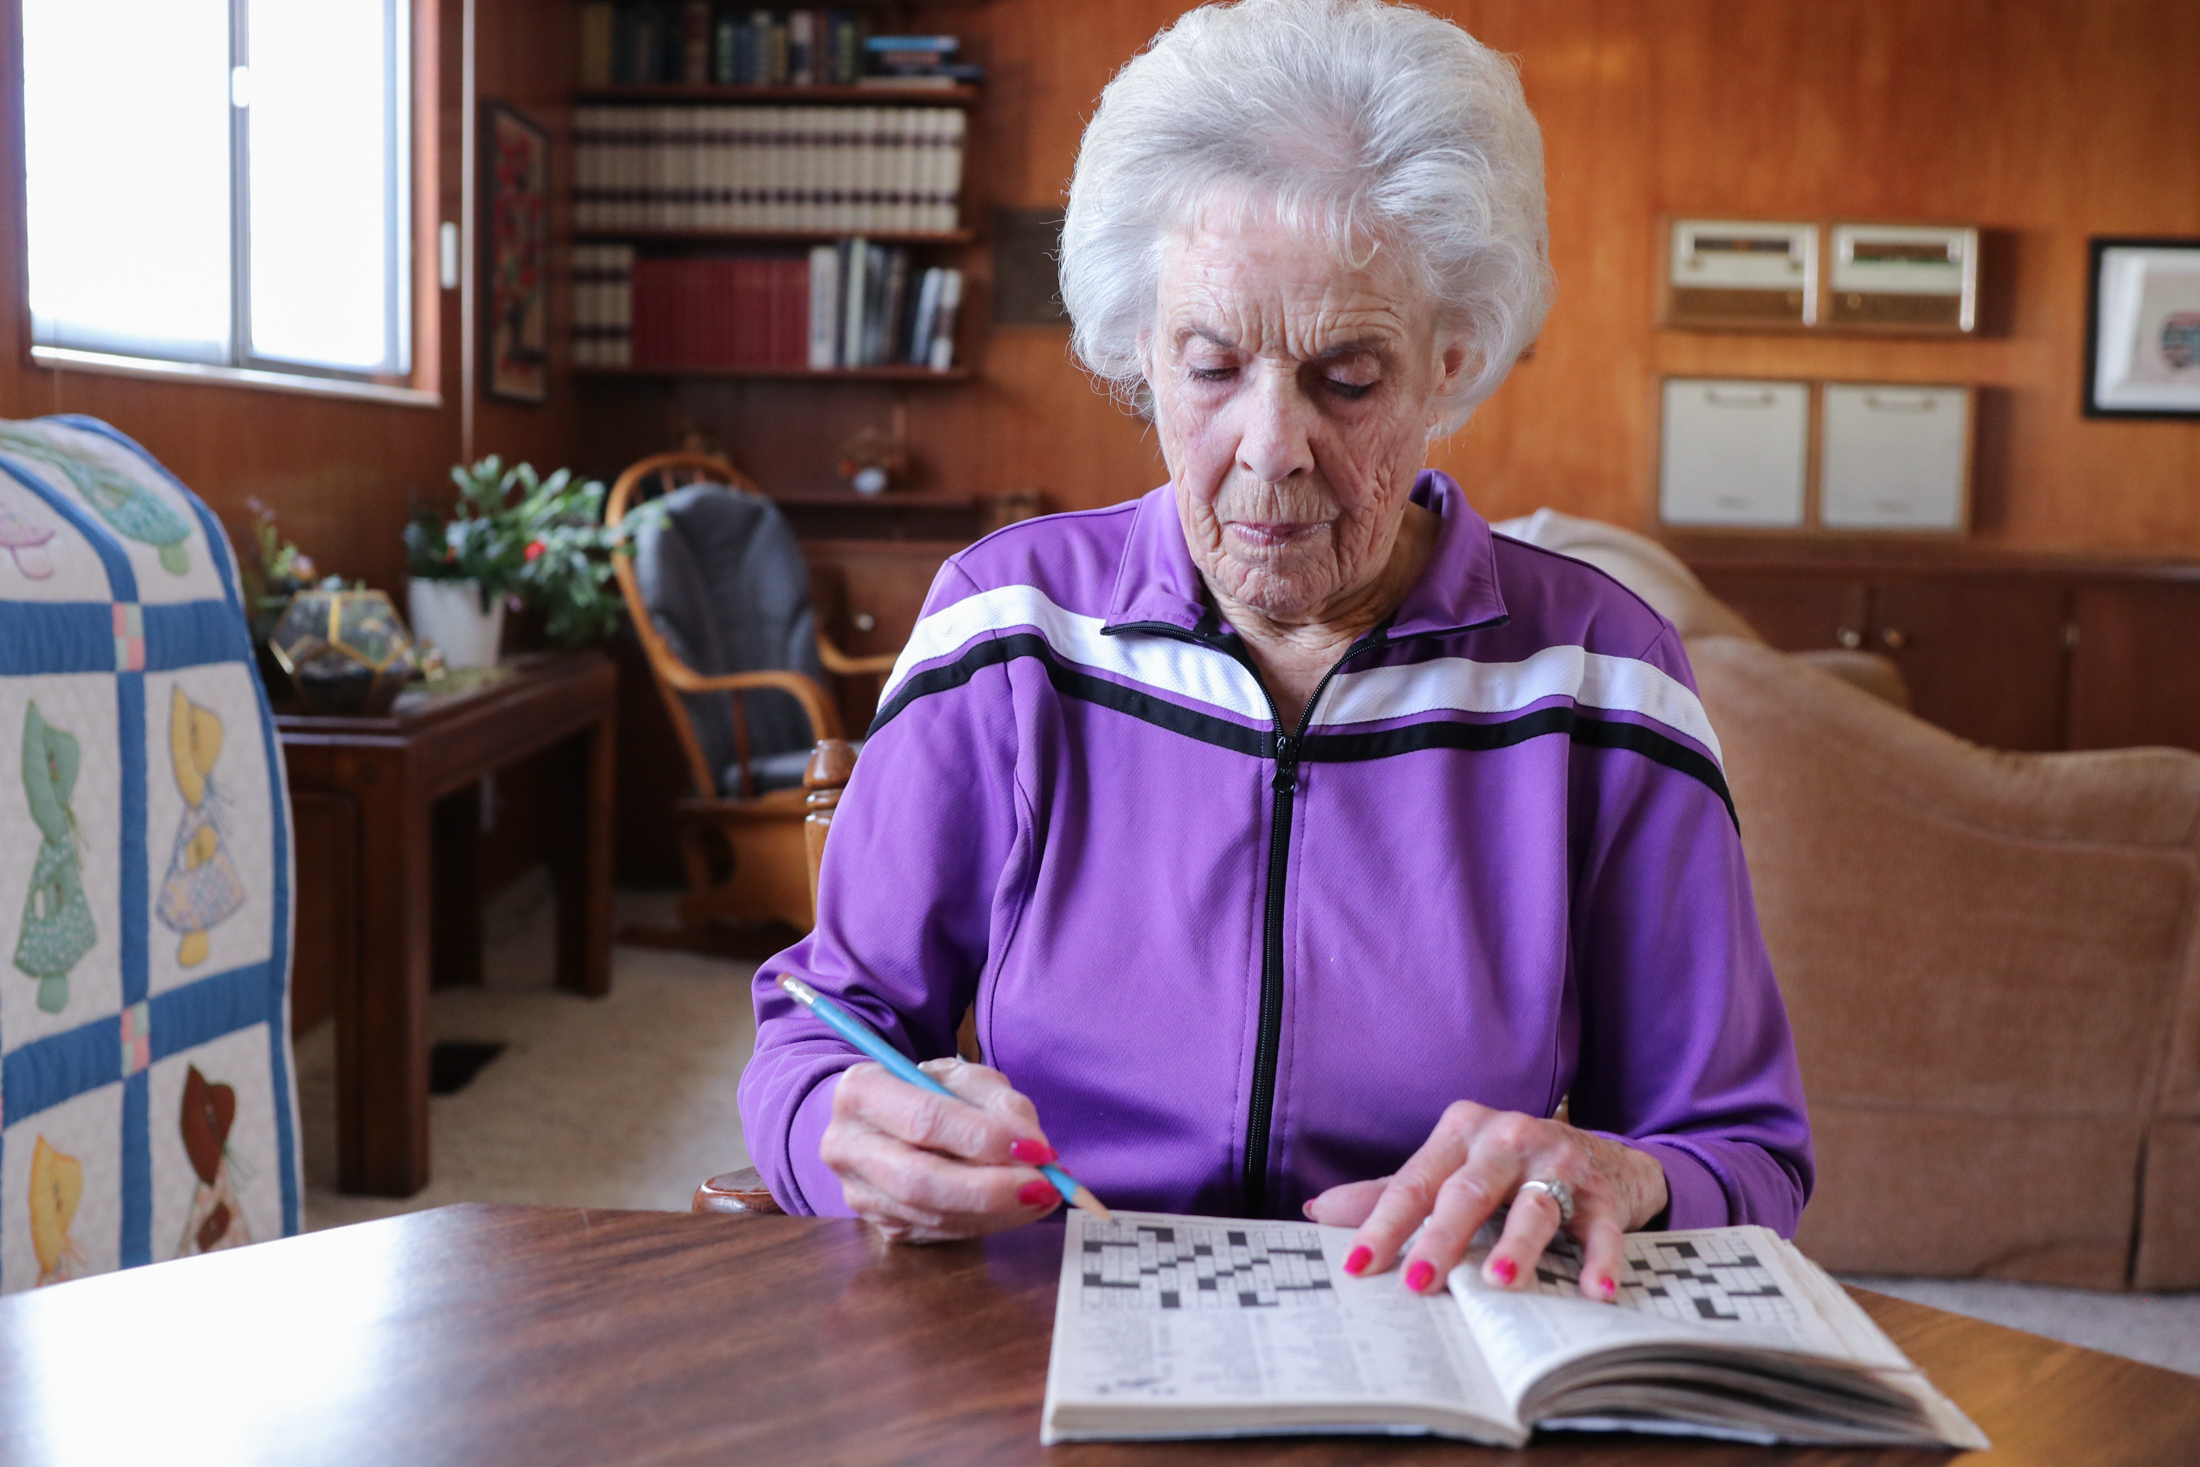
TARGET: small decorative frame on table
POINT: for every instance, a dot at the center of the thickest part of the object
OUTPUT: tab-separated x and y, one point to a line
516	294
2142	329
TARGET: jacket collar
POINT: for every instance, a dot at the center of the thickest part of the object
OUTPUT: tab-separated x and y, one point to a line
1155	581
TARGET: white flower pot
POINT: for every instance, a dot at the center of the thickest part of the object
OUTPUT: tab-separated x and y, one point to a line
449	614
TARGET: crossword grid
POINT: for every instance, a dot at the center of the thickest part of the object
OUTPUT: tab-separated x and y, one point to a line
1706	1279
1145	1266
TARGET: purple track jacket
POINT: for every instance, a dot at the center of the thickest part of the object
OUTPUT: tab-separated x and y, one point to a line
1235	961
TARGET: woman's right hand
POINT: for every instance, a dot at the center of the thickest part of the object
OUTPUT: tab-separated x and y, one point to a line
926	1169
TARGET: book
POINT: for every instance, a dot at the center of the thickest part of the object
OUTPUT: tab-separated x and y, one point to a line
597	23
922	45
768	168
1169	1326
927	316
824	333
695	41
941	353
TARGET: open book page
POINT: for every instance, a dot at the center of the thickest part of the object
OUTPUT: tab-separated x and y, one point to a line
1220	1326
1728	1284
1742	1289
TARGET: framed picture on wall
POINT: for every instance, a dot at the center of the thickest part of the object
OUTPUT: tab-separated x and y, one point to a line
516	291
2142	329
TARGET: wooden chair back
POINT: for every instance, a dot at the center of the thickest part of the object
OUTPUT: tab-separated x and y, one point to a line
657	475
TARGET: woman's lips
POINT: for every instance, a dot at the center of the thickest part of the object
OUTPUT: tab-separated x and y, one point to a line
1275	534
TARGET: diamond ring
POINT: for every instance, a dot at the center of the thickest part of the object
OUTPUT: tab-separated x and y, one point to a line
1558	1192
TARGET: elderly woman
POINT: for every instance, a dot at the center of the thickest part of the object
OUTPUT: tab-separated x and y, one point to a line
1299	844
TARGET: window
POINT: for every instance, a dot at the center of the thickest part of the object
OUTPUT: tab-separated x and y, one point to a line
222	182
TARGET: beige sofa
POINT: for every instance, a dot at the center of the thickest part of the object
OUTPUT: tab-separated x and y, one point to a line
1991	961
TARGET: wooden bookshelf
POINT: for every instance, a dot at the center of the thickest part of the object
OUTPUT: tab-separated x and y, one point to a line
728	94
769	236
898	373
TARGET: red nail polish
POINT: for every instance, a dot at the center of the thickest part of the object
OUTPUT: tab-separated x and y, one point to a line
1419	1274
1606	1287
1031	1153
1358	1259
1505	1270
1037	1194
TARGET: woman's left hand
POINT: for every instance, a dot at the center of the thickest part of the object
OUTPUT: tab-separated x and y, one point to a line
1473	1164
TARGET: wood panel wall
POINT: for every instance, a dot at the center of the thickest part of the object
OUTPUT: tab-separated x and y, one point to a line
2048	120
338	473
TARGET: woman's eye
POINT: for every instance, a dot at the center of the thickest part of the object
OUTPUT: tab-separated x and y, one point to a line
1214	374
1349	391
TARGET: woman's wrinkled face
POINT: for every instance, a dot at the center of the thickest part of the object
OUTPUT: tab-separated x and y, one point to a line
1295	394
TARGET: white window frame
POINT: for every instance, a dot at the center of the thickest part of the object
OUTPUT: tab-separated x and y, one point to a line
408	303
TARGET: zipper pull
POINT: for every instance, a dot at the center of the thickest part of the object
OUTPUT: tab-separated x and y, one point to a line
1287	764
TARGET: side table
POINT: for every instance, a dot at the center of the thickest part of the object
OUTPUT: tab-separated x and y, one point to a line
370	787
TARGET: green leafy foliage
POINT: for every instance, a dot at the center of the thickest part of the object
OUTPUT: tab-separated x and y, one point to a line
541	539
279	571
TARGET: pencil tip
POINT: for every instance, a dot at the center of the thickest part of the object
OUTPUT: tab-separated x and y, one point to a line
1091	1204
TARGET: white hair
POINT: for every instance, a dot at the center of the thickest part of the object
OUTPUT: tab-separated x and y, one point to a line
1374	125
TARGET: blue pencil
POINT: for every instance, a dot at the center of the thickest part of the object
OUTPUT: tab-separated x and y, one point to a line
872	1043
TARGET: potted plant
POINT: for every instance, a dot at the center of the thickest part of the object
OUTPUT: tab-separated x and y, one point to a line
278	571
515	535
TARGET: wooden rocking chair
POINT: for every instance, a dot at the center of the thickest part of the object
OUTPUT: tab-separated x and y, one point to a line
740	838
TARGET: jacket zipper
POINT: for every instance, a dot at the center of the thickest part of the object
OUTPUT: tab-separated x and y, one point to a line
1268	1042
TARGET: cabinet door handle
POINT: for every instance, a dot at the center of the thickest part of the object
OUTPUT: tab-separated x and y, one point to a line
863	621
1894	638
1849	637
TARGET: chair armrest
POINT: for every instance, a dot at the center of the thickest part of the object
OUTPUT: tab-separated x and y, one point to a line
824	719
840	664
736	1194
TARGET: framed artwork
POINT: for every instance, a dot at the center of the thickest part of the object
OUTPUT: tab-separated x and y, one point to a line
516	294
2142	329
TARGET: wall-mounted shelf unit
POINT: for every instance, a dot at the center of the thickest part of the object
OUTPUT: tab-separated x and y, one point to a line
712	191
773	236
894	374
725	95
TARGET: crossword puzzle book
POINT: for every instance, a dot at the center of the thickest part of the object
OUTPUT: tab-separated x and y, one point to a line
1194	1326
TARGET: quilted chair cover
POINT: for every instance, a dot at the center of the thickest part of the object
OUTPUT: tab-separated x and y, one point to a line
147	1107
725	581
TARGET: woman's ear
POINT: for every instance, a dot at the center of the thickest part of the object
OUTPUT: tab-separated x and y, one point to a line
1455	361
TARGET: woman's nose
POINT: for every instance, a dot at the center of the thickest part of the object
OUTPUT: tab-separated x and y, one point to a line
1277	438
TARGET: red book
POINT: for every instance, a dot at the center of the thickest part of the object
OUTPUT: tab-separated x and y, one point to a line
716	311
791	315
686	345
650	349
755	319
727	310
708	313
734	311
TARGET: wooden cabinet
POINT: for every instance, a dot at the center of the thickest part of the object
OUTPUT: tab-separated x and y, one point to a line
1984	657
2136	676
2026	655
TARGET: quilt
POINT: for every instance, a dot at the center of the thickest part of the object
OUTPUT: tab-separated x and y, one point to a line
147	1103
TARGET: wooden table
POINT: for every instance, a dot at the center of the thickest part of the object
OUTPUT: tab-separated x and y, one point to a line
366	792
539	1336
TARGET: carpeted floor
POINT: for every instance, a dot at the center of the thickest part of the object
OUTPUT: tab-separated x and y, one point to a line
625	1101
628	1101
